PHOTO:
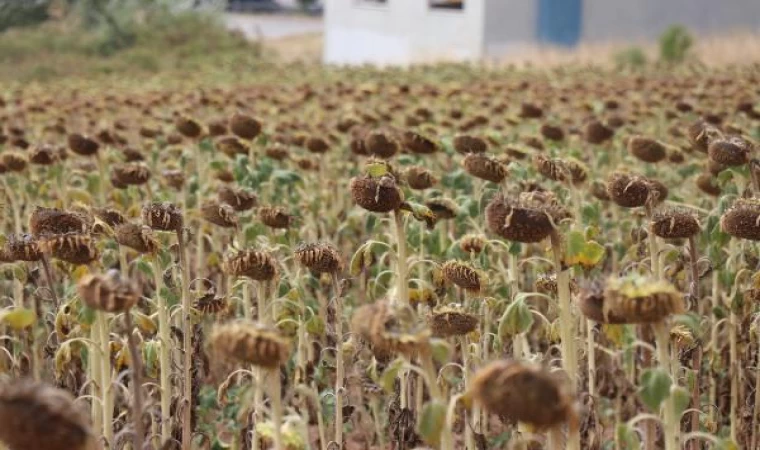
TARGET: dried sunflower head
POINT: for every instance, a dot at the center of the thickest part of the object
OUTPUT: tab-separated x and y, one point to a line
73	248
137	237
21	248
637	299
742	220
320	257
484	167
251	344
380	195
162	216
238	199
674	223
463	275
130	174
108	292
52	221
219	214
450	321
253	264
275	217
245	127
529	218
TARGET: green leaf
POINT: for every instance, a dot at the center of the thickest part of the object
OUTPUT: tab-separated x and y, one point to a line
627	437
315	326
581	252
431	422
681	399
517	318
654	387
420	213
86	315
388	378
441	350
726	444
18	318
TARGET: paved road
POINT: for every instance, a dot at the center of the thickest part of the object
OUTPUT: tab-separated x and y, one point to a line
273	26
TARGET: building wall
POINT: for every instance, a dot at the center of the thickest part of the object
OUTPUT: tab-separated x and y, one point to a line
510	25
401	32
615	20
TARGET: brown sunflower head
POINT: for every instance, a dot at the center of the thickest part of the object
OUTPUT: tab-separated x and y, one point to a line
188	127
734	151
419	178
638	299
529	218
416	143
591	302
316	144
14	161
449	321
130	174
21	248
443	208
701	134
595	132
628	190
275	217
390	329
35	415
465	144
108	292
472	243
562	170
674	223
82	145
110	217
380	195
164	216
249	343
525	393
174	178
52	221
707	184
210	303
381	144
73	248
547	284
230	146
599	191
254	264
245	127
44	155
219	214
647	149
742	220
238	199
463	275
137	237
321	257
552	132
483	166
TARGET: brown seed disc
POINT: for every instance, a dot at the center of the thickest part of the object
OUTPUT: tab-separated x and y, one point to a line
628	190
251	344
34	415
707	184
591	304
174	179
530	111
595	132
599	191
381	144
742	220
211	304
472	243
647	149
73	248
462	275
219	214
466	144
188	127
253	264
130	174
44	155
447	322
238	199
641	301
320	257
552	132
379	195
245	127
525	393
275	217
673	223
108	292
316	144
419	178
484	167
701	134
82	145
52	221
416	143
217	128
730	152
529	219
443	208
137	237
162	216
277	152
562	170
21	248
230	146
13	161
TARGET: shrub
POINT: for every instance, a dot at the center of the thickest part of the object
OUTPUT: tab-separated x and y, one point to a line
675	44
630	58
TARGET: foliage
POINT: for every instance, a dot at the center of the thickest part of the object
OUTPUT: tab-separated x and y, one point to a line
675	44
630	58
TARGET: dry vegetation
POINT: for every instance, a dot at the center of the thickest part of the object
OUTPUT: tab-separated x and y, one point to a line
436	257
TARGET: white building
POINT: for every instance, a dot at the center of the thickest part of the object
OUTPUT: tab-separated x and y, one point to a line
406	31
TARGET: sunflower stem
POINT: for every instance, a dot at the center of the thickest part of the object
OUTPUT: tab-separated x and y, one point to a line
137	400
339	370
402	294
671	423
164	355
187	344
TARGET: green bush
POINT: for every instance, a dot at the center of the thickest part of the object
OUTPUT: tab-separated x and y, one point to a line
630	58
675	44
16	13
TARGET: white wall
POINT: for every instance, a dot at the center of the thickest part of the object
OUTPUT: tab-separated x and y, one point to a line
401	32
509	25
647	19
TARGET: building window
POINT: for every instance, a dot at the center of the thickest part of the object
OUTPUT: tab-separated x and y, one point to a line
447	4
371	2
